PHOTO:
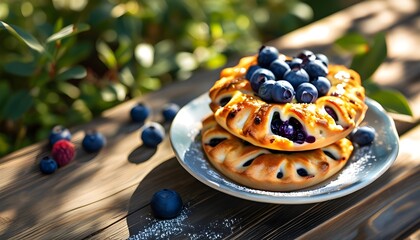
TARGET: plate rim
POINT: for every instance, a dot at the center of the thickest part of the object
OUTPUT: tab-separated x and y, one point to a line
285	199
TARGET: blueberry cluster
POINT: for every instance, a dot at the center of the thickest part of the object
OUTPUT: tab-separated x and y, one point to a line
63	150
291	129
302	78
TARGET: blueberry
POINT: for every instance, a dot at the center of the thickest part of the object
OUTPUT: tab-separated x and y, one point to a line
267	55
323	59
332	113
139	112
315	69
323	85
294	63
363	135
251	71
306	56
296	77
306	93
282	92
266	89
152	134
57	133
93	141
166	204
169	111
259	77
279	68
48	165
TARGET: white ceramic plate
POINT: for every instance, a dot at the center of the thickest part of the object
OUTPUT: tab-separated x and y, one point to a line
365	165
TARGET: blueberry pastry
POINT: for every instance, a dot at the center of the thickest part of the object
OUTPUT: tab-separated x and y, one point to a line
288	103
272	170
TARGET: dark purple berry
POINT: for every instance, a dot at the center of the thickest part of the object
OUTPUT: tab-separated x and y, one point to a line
267	55
306	56
363	135
279	68
139	112
215	141
266	89
315	69
323	59
282	92
332	113
58	133
259	77
322	84
152	134
306	93
251	71
295	63
166	204
169	111
93	141
48	165
296	77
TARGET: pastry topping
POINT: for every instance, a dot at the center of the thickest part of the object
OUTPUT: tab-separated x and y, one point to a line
332	113
306	68
329	154
279	175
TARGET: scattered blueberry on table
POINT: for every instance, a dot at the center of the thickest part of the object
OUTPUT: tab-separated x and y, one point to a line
93	141
152	134
140	112
48	165
363	136
169	111
166	204
58	133
63	152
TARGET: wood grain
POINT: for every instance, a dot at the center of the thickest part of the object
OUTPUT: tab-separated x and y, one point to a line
106	195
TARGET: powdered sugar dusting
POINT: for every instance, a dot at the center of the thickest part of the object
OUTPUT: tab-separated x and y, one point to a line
182	228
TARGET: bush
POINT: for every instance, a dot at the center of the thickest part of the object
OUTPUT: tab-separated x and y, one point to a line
66	62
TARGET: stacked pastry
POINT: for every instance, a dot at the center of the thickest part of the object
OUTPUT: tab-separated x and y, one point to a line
280	123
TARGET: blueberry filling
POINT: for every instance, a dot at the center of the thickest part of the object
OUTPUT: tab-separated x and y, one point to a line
279	175
215	141
302	172
224	101
329	154
332	113
247	163
291	129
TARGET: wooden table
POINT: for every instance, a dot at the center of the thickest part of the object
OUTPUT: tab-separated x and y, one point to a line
106	195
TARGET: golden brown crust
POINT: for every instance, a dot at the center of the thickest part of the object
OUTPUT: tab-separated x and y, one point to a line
263	169
249	118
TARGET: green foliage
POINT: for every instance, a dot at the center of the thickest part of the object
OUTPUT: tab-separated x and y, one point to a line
368	55
64	61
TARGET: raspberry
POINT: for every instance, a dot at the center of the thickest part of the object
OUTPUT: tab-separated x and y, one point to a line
63	152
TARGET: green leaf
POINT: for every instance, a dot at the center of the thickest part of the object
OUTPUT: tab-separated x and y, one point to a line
69	89
392	100
68	31
23	69
354	43
25	37
75	72
124	53
19	102
367	63
106	55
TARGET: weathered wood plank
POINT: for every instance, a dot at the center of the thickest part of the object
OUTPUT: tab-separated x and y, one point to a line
106	195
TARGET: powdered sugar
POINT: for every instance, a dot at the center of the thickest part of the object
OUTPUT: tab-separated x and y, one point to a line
182	228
